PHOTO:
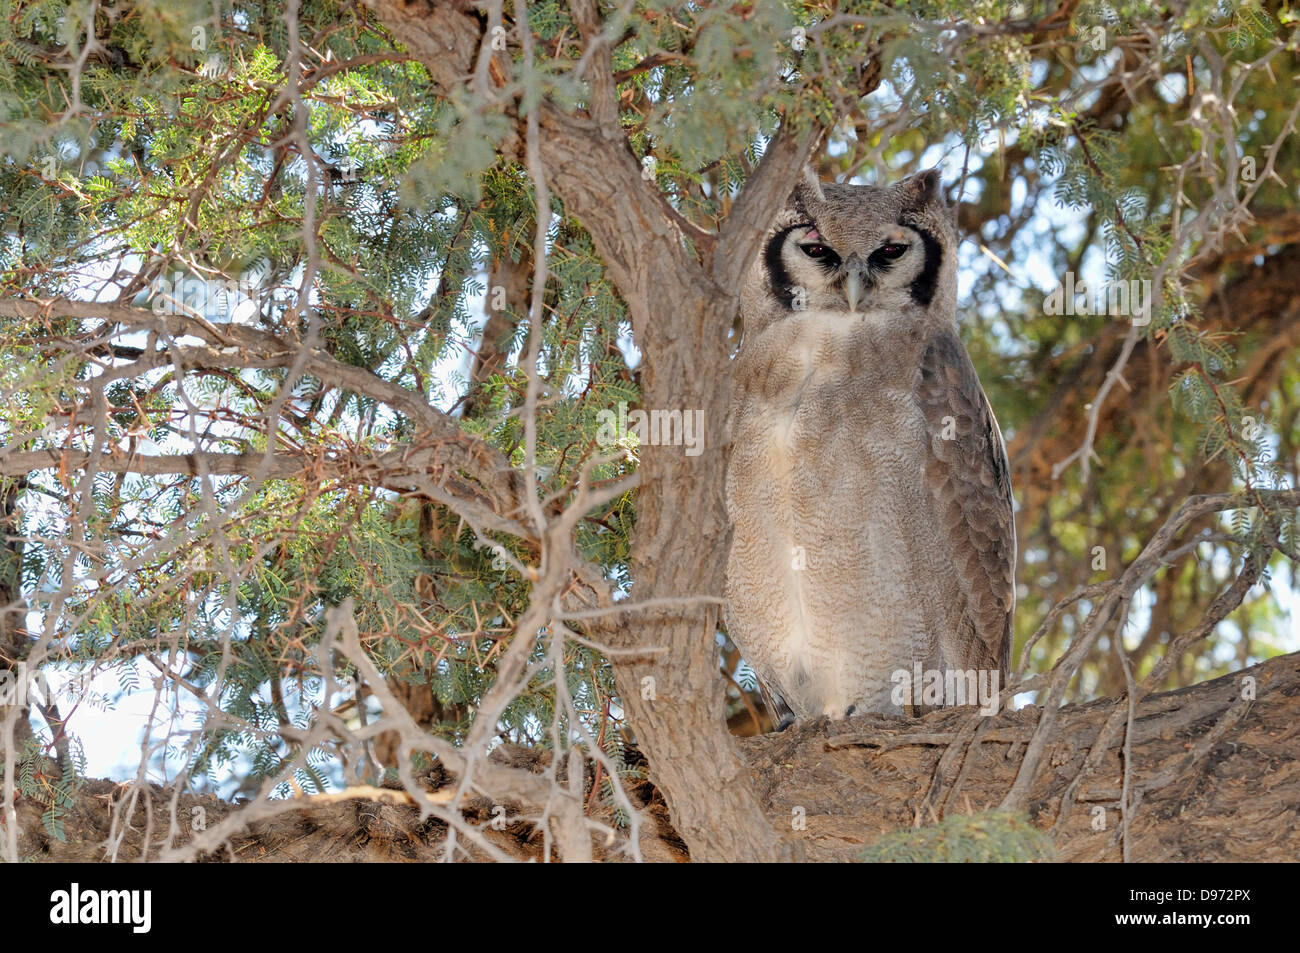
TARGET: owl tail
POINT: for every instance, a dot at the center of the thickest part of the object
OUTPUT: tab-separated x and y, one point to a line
782	715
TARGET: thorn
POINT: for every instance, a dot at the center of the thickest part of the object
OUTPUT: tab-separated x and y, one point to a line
996	260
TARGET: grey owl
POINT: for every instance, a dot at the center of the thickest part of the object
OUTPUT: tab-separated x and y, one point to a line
868	484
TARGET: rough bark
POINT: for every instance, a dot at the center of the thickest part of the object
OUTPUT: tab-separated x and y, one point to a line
1214	778
15	729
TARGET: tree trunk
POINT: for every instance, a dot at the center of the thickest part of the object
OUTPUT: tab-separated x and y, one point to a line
674	698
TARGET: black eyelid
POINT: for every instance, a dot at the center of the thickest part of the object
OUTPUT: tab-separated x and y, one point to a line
891	251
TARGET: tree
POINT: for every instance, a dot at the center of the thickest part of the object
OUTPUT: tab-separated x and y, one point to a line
324	329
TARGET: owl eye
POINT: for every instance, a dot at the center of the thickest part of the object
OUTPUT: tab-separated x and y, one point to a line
815	250
891	251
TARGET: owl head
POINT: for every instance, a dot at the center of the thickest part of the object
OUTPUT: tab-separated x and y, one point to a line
857	250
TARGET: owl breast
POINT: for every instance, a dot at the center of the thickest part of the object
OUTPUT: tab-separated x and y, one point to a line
830	510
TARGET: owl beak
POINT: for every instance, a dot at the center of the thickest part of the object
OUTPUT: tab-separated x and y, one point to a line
855	282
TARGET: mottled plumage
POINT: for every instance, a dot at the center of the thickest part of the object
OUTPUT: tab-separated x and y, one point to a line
868	484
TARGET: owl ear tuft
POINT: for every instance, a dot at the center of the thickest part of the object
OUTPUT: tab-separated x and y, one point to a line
809	189
924	188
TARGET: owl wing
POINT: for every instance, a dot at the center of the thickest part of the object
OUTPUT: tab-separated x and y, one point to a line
970	483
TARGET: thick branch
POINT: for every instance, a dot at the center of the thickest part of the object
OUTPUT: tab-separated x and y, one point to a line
587	158
767	189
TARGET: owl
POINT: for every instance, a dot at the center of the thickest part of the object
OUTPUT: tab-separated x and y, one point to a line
868	485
